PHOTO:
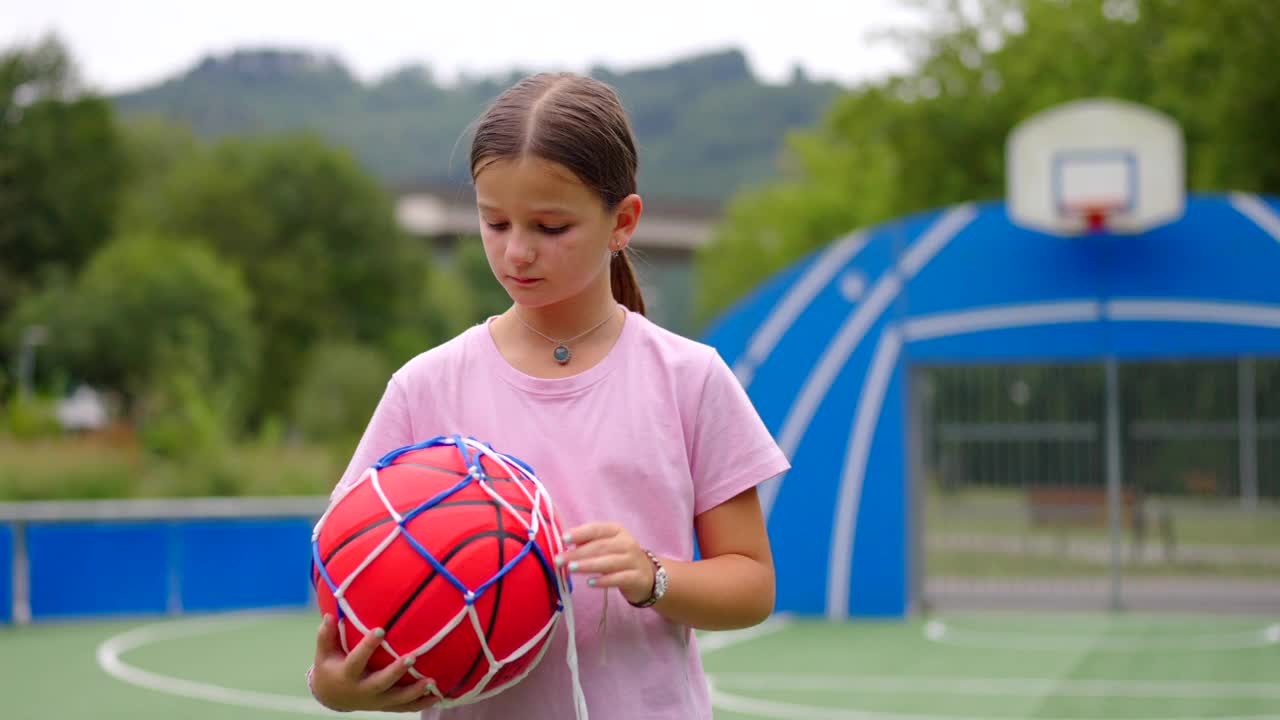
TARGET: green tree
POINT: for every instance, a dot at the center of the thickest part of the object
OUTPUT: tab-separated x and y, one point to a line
164	322
340	387
60	169
155	150
316	240
935	135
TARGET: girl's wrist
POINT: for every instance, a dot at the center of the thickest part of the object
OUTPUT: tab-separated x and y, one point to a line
311	687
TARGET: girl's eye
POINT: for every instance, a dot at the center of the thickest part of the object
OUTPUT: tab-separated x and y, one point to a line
554	230
499	226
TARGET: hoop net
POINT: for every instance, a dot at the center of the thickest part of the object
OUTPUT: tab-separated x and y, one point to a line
1094	215
541	518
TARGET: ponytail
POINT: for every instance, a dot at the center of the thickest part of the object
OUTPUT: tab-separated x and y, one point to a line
626	288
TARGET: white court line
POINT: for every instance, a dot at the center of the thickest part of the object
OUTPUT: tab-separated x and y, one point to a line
1003	687
778	710
713	641
943	633
110	650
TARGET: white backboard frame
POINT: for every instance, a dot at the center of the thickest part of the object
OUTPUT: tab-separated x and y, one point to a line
1047	175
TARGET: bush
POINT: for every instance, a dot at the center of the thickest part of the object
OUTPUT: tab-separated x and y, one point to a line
31	417
67	470
91	468
338	391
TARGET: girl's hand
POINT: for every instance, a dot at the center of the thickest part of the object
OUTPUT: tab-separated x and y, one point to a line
342	681
607	552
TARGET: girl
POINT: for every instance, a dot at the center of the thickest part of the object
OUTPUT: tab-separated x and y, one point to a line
644	439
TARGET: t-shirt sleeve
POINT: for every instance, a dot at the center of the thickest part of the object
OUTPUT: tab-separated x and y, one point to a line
388	429
732	449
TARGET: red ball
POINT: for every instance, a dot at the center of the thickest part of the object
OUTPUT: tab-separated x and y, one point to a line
449	494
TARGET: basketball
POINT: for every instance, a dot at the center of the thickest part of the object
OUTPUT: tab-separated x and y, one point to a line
449	547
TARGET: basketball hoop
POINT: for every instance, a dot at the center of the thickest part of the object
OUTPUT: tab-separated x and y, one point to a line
1095	166
1096	218
1095	215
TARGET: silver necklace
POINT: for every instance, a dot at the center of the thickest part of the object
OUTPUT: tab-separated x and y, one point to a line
561	353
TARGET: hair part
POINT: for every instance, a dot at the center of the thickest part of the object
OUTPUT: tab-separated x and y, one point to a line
577	122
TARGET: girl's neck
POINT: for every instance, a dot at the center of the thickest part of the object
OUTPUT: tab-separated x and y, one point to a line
565	320
529	338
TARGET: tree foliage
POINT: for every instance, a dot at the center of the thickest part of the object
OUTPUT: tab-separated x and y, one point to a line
314	236
61	169
935	136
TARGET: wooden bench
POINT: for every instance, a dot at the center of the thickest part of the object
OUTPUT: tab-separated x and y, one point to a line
1067	507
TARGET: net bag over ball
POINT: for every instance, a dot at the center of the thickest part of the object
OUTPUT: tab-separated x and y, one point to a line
448	546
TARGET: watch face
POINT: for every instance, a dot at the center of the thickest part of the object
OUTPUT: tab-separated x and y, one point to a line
660	582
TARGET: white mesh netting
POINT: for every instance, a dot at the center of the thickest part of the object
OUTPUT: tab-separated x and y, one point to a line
541	518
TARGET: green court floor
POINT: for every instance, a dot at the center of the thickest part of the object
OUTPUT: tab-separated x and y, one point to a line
974	666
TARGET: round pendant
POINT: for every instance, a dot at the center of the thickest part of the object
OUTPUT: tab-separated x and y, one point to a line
561	354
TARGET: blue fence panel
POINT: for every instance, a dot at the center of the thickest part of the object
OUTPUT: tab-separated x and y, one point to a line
234	564
6	574
97	568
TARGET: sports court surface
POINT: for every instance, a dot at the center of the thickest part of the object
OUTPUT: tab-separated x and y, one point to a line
972	666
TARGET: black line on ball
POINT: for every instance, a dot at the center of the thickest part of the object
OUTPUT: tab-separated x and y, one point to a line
445	561
493	612
386	519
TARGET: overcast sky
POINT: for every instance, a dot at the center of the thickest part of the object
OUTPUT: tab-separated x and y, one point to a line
123	44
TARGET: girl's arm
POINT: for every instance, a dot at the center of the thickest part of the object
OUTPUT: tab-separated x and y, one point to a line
732	586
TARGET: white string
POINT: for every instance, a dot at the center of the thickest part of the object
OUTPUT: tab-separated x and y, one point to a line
540	503
571	657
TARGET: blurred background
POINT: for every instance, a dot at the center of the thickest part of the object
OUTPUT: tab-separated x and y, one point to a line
223	227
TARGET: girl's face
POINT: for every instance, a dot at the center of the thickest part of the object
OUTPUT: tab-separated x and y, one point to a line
546	235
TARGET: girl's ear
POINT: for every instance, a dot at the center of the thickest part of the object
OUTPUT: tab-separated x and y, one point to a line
625	219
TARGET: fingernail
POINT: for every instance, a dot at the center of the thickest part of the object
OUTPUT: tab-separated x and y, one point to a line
408	660
568	538
559	561
379	633
591	582
573	566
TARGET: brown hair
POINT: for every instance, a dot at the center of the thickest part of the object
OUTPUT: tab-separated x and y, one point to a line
577	122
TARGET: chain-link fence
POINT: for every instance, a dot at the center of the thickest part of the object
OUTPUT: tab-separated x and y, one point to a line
1018	510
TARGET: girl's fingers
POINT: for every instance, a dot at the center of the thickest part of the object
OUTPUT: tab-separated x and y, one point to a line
409	695
415	706
327	642
358	660
618	579
618	544
601	565
386	678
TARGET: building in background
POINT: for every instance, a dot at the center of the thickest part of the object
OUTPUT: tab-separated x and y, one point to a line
664	244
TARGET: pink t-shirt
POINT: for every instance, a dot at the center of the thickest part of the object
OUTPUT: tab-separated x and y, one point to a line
657	432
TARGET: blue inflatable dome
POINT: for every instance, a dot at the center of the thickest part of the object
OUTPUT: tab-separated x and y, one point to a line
824	349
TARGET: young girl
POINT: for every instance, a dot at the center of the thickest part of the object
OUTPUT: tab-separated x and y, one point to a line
644	439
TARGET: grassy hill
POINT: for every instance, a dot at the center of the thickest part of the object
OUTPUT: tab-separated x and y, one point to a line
706	125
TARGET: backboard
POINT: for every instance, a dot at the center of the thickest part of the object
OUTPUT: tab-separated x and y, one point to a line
1095	165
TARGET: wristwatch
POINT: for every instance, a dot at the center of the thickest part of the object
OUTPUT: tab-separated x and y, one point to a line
659	582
